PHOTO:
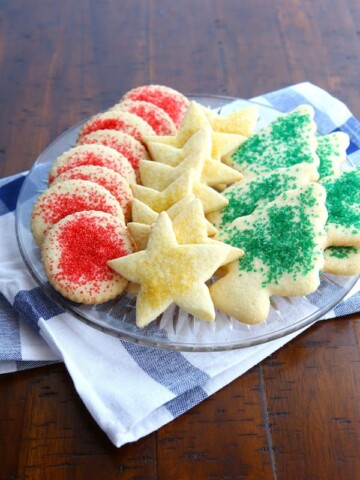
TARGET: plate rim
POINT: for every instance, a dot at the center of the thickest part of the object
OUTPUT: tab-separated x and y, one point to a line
146	340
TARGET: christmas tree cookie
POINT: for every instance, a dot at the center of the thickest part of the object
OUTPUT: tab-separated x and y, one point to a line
287	141
283	243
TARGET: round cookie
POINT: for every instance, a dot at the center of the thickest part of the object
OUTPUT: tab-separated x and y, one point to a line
99	155
68	197
173	102
75	253
112	181
155	116
123	143
117	120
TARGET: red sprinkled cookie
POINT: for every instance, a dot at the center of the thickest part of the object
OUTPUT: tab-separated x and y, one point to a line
117	120
155	116
112	181
173	102
123	143
99	155
76	265
68	197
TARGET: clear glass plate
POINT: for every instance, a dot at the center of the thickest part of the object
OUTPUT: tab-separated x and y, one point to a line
175	329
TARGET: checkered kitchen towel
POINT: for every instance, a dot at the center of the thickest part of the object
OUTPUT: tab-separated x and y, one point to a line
129	389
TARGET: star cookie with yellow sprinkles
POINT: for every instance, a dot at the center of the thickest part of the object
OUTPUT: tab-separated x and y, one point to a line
158	175
219	145
143	214
242	121
187	183
159	201
168	272
190	226
195	119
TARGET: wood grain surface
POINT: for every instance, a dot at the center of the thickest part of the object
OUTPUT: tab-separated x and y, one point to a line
297	414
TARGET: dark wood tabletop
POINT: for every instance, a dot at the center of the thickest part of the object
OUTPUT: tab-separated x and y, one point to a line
297	414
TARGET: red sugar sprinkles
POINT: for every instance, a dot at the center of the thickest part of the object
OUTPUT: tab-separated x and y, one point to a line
118	120
79	221
78	269
68	197
174	103
156	117
98	155
123	143
112	181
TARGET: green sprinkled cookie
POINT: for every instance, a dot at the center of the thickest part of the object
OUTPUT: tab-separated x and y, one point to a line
283	243
246	195
342	260
343	205
289	140
331	151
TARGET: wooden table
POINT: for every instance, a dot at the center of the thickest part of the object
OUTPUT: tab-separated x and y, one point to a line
297	414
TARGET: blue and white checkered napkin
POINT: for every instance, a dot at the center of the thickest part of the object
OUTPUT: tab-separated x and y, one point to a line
132	390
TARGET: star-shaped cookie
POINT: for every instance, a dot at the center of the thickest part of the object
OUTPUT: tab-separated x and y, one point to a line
194	119
168	272
143	214
159	201
190	226
187	183
220	145
242	121
210	172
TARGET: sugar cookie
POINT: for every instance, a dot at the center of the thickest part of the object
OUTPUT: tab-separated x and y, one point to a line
342	260
343	205
184	185
155	116
174	103
331	150
112	181
246	195
195	119
160	201
242	121
123	143
99	155
168	272
118	120
158	174
143	214
283	243
288	140
225	144
68	197
76	265
221	145
189	224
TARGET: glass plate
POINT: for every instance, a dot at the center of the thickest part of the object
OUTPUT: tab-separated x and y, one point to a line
175	329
